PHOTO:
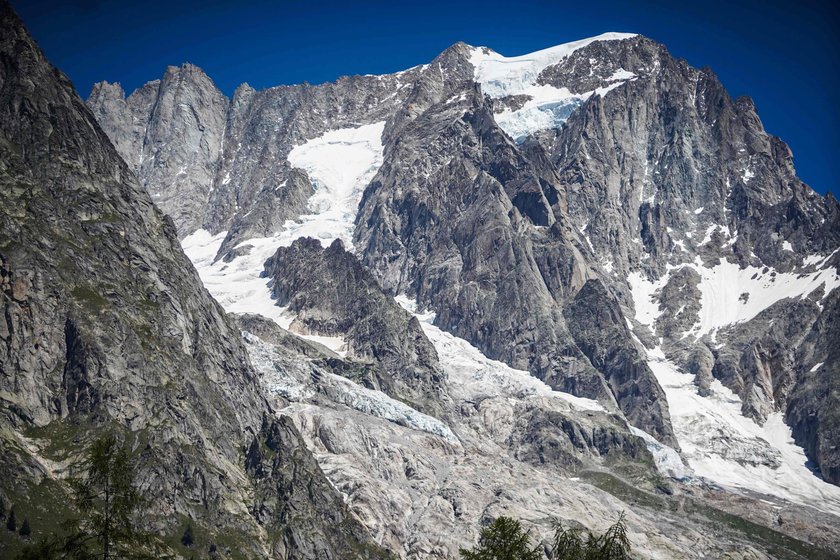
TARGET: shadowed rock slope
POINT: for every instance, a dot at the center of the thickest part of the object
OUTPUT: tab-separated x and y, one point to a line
104	325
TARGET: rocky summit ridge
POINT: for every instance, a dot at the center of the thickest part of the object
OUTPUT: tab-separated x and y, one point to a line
553	286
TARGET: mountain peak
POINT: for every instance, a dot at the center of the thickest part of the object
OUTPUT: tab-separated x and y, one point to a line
501	75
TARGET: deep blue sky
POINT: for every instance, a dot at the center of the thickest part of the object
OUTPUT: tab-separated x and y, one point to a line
785	55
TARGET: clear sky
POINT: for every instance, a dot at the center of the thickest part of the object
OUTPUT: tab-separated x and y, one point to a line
785	55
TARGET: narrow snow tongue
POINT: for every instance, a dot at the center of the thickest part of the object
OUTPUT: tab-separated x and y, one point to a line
340	164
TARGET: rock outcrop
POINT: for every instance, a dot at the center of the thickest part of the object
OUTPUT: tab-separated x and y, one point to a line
332	295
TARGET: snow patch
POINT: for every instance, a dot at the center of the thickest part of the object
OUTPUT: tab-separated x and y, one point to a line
747	175
547	106
501	76
340	164
472	375
645	298
721	289
722	445
728	293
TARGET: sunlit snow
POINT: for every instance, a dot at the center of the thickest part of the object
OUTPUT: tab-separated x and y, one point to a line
668	462
340	163
472	375
722	445
547	106
501	76
723	287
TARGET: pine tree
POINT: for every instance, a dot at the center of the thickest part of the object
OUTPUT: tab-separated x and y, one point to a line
107	501
187	538
568	544
612	545
504	539
25	530
11	523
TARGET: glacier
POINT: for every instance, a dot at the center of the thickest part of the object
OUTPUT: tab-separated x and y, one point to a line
547	106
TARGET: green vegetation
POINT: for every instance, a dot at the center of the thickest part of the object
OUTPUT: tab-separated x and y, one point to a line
569	544
107	502
503	539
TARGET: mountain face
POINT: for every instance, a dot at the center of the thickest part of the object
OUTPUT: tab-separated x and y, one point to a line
104	325
331	294
559	285
171	134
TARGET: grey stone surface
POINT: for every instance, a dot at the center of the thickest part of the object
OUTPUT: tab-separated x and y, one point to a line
332	295
105	325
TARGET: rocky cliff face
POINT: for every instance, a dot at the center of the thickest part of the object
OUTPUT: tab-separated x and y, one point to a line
182	135
706	197
332	295
599	214
104	325
170	132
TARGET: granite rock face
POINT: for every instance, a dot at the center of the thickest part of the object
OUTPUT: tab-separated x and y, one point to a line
332	295
483	238
170	132
672	179
104	325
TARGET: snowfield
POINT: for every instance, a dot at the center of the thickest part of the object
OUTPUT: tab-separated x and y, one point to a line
501	76
717	441
722	445
340	164
547	106
730	294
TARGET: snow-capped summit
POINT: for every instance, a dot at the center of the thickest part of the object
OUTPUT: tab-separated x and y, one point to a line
501	76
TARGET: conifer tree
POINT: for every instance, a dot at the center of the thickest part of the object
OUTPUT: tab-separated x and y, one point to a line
107	499
25	530
504	539
11	522
612	545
